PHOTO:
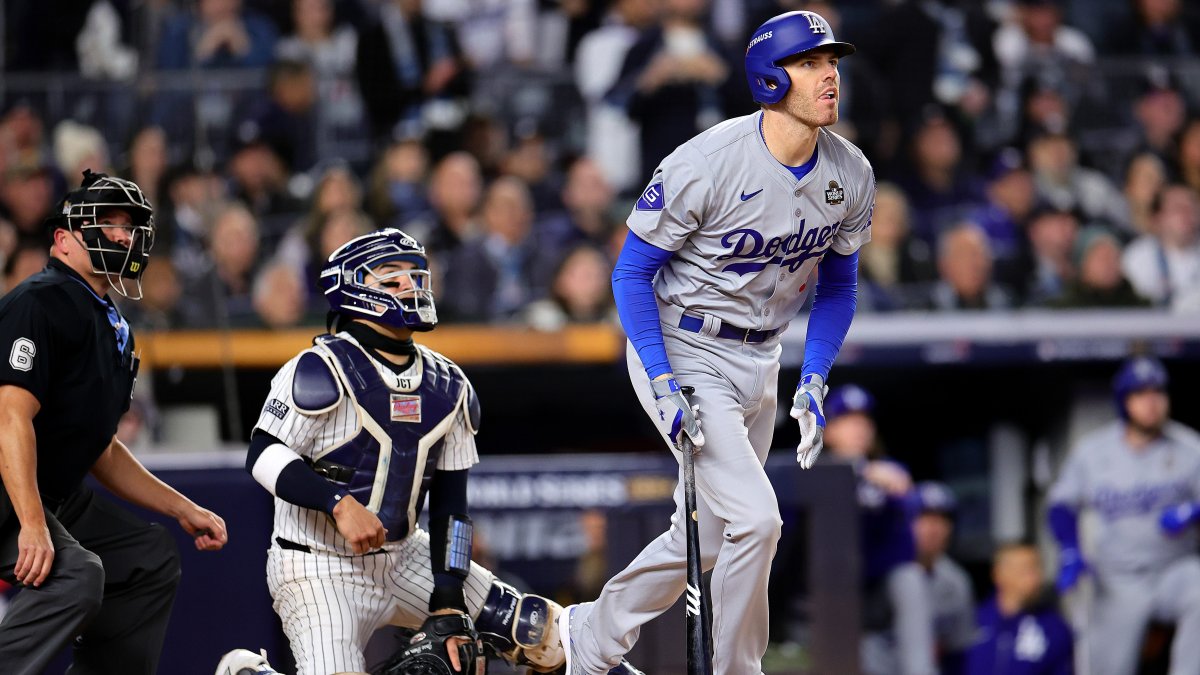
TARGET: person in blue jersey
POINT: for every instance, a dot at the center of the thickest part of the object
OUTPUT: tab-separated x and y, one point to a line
1019	630
723	250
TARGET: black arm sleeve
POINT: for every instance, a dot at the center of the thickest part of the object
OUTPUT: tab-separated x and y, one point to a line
447	497
296	483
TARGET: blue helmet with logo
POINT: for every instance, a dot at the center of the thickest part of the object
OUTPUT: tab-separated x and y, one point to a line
350	295
780	37
1136	374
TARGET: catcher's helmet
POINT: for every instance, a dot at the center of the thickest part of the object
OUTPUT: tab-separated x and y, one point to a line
344	281
1137	374
81	210
780	37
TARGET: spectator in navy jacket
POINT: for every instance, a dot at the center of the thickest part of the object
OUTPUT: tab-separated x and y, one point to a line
1019	632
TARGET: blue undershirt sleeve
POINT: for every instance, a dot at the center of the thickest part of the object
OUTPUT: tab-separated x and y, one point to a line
834	302
633	290
1064	523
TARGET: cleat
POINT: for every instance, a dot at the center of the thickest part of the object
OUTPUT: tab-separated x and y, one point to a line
245	662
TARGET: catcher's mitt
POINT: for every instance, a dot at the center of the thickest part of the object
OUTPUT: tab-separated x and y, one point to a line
427	652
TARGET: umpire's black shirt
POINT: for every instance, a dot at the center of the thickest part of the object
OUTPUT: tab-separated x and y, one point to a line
58	341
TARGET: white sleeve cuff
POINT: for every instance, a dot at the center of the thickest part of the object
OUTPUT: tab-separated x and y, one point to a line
270	464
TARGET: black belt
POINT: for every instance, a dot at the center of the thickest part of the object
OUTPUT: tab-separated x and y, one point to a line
291	545
747	335
303	548
334	472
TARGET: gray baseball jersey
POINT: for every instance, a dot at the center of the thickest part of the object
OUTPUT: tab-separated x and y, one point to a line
746	234
953	608
746	237
1129	490
1140	572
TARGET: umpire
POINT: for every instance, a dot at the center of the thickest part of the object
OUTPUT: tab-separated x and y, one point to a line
89	568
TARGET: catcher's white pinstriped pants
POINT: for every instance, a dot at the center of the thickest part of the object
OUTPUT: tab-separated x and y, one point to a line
330	605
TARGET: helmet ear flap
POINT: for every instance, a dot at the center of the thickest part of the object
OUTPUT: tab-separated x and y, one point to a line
773	84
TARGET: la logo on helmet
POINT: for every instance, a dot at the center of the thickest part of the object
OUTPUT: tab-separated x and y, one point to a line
815	25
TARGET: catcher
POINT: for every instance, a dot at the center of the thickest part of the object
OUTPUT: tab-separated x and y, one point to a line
356	431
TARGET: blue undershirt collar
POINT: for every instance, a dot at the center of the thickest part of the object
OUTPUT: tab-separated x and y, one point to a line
798	171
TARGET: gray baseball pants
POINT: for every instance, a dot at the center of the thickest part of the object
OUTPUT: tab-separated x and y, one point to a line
736	388
1125	603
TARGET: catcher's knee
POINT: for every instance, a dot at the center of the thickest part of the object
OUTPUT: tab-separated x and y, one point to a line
521	628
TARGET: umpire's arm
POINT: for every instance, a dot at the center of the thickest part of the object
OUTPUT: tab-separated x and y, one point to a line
123	475
18	468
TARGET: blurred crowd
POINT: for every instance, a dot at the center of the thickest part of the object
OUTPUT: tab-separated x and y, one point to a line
1030	153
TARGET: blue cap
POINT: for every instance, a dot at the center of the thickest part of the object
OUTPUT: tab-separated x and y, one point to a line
934	496
850	398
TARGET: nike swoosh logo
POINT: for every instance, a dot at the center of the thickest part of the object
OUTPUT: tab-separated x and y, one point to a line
751	195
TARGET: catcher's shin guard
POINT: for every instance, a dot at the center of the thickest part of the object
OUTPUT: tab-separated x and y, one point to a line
521	628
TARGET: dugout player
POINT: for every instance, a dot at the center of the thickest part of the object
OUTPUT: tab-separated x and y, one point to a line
355	432
88	567
723	248
1140	476
1020	630
949	583
898	637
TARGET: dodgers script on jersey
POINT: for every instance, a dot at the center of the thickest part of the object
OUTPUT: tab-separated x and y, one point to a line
314	436
1129	489
746	235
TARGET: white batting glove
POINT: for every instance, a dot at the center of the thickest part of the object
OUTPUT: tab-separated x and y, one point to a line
807	411
676	413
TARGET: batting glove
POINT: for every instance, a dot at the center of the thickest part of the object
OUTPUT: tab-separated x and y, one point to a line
1176	519
807	411
676	413
1071	567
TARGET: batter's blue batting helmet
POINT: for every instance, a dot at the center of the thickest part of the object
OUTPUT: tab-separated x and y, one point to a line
1136	374
344	281
783	36
850	398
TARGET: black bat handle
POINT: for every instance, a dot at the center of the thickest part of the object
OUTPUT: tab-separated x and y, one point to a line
699	624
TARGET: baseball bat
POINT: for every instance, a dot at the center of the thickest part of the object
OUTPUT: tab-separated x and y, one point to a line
699	625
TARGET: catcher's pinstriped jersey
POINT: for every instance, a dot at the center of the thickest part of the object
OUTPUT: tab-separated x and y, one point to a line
314	436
